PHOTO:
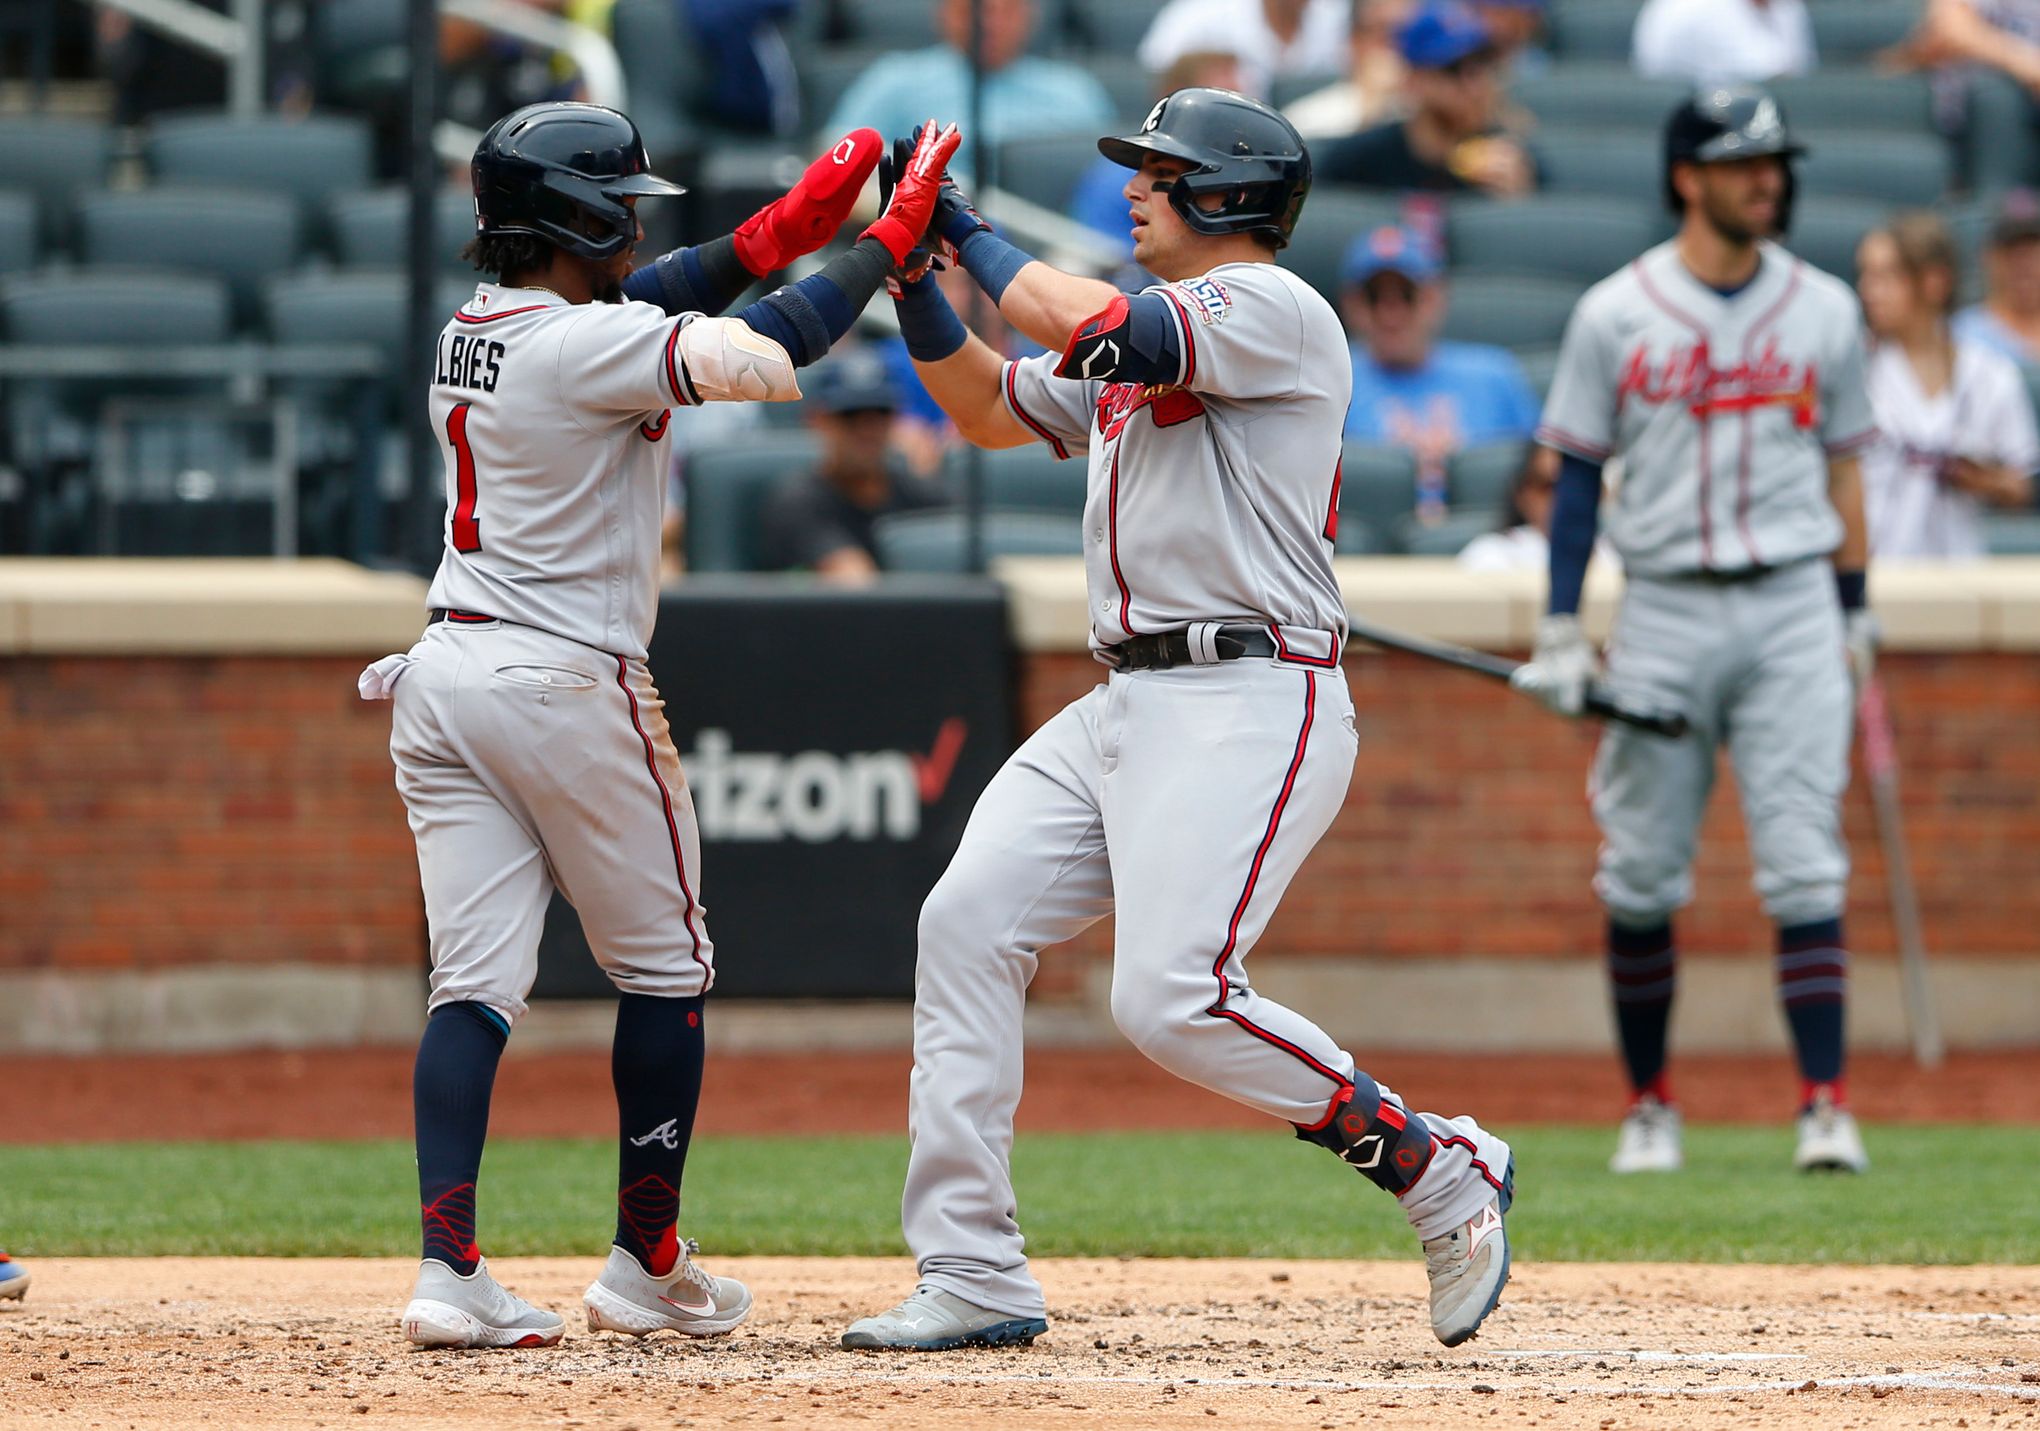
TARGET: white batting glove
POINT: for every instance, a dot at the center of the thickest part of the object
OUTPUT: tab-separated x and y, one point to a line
1860	635
1561	666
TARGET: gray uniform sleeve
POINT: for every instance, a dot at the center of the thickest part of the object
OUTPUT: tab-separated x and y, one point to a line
1056	410
620	358
1847	425
1242	332
1579	415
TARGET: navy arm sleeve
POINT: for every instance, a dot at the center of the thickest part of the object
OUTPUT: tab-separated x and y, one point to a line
806	317
706	278
1575	522
1133	341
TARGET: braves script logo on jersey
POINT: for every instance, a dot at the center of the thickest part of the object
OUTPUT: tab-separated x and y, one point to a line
1687	375
1118	402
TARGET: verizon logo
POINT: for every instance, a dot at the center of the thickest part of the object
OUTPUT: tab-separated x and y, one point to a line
817	795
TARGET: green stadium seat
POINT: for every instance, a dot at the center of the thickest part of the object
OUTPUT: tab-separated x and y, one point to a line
1377	490
241	236
1594	29
354	306
661	68
1044	169
53	159
1853	31
1970	221
1447	536
20	238
1622	165
2012	533
372	229
92	306
1509	311
1028	478
1913	170
1568	236
2000	149
1117	26
1826	232
825	76
1848	99
727	488
1598	96
893	24
1540	366
307	159
1478	478
1357	538
939	541
1333	216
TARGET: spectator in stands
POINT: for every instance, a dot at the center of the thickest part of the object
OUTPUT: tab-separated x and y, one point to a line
2008	319
1024	94
2001	35
1271	37
1099	200
1516	26
1410	389
1373	84
824	521
752	83
1723	41
1452	140
1955	427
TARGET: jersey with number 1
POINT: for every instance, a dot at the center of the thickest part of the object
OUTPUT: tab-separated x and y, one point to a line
1725	409
1213	497
551	417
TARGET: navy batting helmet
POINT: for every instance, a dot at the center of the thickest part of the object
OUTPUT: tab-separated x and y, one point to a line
1730	122
560	172
1238	148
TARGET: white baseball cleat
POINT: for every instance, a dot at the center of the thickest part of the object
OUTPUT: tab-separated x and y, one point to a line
934	1320
1651	1140
1828	1139
1469	1266
449	1310
687	1300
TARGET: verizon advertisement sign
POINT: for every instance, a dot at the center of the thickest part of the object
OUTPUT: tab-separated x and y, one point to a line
834	745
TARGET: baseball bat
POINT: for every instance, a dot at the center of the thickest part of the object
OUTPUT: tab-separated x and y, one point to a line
1880	763
1600	700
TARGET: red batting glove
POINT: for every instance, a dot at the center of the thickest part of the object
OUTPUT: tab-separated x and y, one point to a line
812	210
905	219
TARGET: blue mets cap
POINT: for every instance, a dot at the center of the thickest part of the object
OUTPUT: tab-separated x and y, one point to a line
852	380
1442	33
1392	248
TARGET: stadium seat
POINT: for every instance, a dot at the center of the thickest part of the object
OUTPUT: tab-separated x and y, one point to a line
1117	26
354	306
1044	169
307	159
1478	478
893	24
726	492
1853	31
939	541
1847	99
825	76
1377	490
241	236
2012	533
1826	231
1333	216
1558	235
1447	536
1357	538
128	306
1540	365
19	236
1130	88
1594	29
1512	312
2000	149
661	68
1970	222
53	159
371	229
1624	165
1597	96
1913	170
1028	478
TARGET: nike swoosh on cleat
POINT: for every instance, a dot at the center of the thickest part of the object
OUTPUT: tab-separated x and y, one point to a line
706	1305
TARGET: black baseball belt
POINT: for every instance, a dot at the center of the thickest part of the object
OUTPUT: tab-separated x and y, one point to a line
1200	645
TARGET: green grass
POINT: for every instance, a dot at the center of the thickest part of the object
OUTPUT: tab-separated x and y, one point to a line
1939	1194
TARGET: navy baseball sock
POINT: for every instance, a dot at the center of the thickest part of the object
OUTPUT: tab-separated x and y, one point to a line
1813	979
1643	971
450	1087
656	1064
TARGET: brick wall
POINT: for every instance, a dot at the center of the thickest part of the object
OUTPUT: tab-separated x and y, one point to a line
164	811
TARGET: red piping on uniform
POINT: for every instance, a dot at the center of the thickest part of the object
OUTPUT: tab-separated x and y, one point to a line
1332	516
1742	470
1851	444
1456	1141
666	799
1579	446
1189	339
1232	936
1013	400
680	394
1112	531
1706	452
653	431
1303	658
506	313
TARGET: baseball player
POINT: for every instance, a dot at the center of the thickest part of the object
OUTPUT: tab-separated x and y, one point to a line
531	747
1729	375
1183	793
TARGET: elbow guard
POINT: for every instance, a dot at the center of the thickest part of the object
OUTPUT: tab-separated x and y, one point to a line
722	360
1132	341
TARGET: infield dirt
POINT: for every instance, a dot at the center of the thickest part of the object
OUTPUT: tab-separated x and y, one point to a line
172	1342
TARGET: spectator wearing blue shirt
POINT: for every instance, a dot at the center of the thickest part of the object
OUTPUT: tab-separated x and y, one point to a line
2008	319
1409	389
752	83
1024	94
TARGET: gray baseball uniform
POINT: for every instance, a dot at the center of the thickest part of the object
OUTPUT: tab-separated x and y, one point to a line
1184	799
531	747
1726	411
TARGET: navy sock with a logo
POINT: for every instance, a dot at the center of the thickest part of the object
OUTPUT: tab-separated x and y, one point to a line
450	1087
656	1064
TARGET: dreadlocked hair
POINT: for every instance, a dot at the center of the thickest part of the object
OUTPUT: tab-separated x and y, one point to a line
502	255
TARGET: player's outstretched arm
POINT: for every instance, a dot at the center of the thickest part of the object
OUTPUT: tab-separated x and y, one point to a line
1045	303
959	370
707	278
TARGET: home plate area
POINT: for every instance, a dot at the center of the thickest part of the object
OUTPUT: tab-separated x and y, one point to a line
1136	1343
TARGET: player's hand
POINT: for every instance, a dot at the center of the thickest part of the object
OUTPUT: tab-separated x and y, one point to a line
1561	666
809	213
919	261
1860	635
955	218
915	185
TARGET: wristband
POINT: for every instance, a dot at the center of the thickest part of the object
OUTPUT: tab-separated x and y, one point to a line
928	324
992	261
1853	588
